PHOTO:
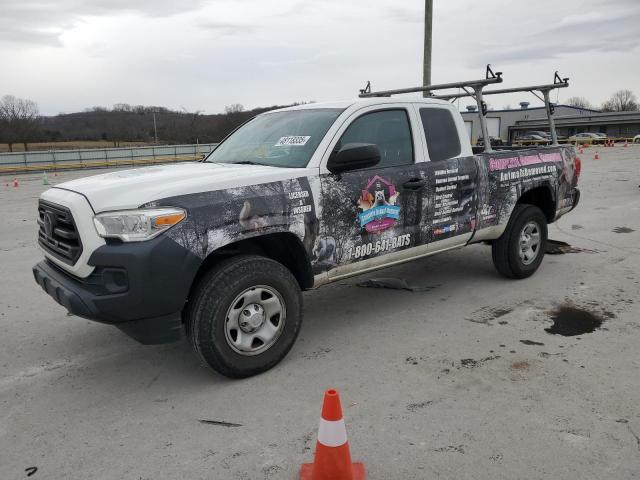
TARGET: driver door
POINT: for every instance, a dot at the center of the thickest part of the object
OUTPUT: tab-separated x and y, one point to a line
368	213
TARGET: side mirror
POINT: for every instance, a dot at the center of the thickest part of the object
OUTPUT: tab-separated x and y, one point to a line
353	156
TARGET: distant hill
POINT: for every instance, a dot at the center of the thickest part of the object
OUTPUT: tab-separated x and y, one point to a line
126	123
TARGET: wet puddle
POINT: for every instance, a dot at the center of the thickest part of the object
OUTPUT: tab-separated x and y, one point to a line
570	321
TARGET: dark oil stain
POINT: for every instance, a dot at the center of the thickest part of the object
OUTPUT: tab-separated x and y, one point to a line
569	321
413	407
451	449
531	342
394	284
576	227
411	361
471	363
468	362
623	230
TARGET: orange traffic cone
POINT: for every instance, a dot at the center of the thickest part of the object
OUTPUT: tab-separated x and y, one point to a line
580	151
332	459
596	156
15	183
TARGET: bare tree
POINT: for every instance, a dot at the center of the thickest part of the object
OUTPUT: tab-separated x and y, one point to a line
233	108
579	102
190	130
621	101
19	121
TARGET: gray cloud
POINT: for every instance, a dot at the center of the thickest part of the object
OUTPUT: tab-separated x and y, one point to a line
575	35
42	22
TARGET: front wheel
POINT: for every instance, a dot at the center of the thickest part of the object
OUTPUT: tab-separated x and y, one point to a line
520	250
245	315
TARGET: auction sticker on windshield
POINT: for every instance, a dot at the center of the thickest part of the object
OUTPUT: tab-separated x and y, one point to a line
292	141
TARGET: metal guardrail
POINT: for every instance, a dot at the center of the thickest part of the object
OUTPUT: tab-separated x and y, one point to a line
53	160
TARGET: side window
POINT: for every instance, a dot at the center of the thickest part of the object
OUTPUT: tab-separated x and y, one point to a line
443	141
389	130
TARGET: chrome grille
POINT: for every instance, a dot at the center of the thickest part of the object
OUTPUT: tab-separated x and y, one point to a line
58	234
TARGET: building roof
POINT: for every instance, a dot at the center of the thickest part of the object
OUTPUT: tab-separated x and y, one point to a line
597	118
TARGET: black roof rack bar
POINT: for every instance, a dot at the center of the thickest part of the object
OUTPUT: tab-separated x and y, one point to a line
539	88
490	78
558	82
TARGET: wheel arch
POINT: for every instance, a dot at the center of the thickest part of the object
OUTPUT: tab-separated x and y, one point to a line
283	247
542	197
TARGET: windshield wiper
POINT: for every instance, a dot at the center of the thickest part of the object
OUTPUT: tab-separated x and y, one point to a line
246	162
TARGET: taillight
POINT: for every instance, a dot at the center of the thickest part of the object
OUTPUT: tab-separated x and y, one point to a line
578	167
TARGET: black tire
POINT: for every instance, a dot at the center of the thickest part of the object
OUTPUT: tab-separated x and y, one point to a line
212	299
506	250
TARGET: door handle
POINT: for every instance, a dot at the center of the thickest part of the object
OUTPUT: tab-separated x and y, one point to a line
414	184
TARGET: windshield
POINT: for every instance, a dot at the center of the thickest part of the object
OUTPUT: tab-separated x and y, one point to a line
279	139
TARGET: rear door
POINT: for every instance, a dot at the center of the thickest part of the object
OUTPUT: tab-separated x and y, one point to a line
451	204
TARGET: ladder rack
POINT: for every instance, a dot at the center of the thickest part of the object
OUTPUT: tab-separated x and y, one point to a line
543	89
474	89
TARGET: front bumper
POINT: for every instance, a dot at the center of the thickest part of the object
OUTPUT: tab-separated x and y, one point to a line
141	288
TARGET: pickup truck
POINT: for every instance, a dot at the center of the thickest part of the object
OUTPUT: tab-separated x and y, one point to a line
296	198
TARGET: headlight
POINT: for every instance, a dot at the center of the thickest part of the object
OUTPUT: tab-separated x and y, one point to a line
137	225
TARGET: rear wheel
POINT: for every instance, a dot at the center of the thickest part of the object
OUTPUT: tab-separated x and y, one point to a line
520	250
245	315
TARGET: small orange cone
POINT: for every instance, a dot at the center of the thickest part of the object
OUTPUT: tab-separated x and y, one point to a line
580	151
332	459
15	183
596	156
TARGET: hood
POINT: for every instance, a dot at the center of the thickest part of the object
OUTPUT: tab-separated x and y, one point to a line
126	189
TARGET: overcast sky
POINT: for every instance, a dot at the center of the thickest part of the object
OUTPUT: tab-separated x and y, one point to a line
204	54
